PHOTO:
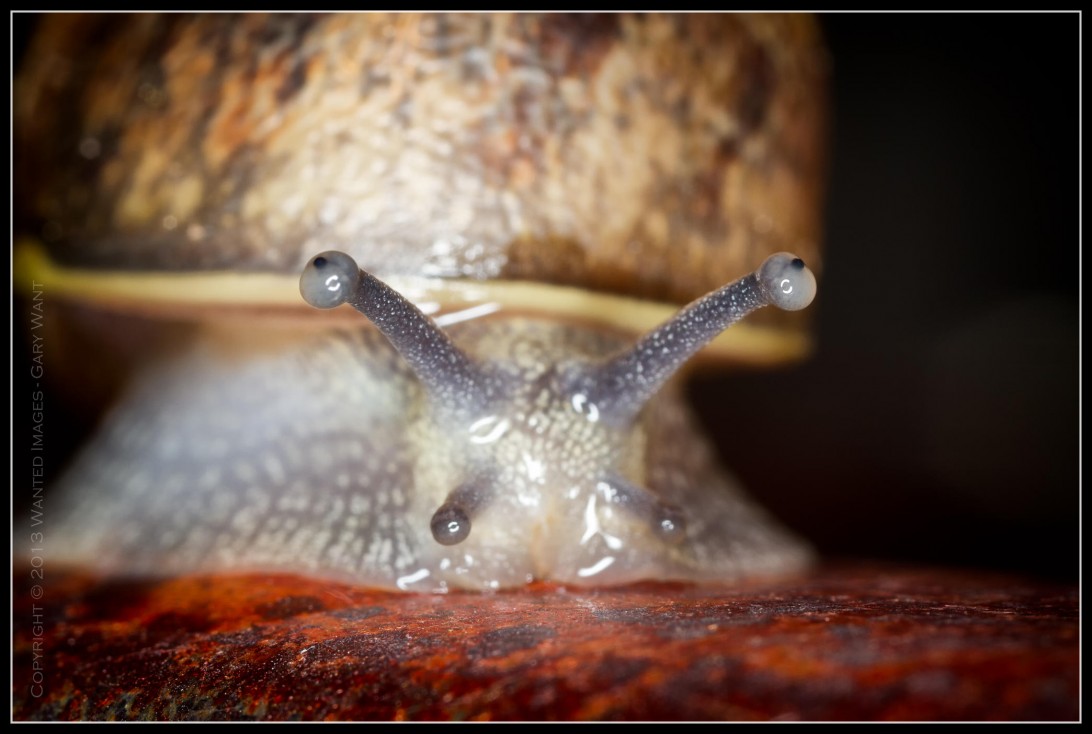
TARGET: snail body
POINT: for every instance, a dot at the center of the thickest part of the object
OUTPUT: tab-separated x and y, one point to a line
493	444
482	457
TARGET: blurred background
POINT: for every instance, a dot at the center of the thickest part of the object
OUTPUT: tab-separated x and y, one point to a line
938	420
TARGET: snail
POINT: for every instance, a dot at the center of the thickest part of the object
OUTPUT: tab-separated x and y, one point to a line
509	199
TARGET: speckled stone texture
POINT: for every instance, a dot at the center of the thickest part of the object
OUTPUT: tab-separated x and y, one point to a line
845	643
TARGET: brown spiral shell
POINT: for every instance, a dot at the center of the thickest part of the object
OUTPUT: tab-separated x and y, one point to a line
652	155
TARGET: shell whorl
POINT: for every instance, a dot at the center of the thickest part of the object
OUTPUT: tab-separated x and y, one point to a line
654	155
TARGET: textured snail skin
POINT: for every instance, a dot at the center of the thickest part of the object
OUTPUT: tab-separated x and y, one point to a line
334	455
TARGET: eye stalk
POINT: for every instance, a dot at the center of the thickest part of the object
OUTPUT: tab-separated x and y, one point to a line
622	386
666	520
449	376
618	388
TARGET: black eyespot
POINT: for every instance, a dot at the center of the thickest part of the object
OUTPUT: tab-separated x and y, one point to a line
798	263
319	261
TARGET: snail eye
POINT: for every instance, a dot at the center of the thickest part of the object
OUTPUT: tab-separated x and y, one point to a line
787	282
329	280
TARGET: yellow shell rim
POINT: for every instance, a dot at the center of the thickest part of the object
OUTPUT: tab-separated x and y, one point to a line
202	295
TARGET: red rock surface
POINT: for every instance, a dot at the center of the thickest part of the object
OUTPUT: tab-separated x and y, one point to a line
845	643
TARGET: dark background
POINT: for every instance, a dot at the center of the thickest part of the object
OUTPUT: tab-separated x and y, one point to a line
938	419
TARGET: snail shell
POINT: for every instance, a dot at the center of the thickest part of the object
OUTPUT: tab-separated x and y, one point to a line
469	161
